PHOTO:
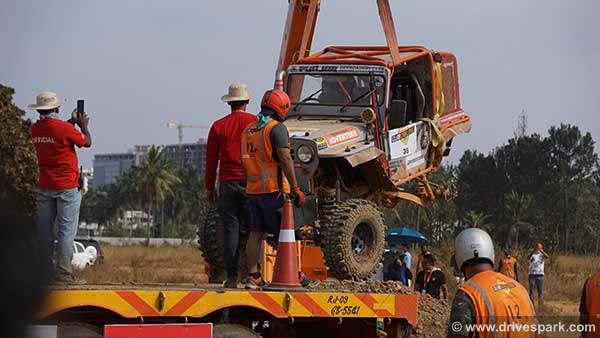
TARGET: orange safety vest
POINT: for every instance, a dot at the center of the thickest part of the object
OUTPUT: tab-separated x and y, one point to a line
508	266
592	298
500	301
263	174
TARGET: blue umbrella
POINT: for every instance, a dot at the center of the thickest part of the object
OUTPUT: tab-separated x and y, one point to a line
405	236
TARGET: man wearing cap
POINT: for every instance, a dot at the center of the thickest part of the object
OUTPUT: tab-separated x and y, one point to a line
269	170
223	150
487	298
58	194
508	265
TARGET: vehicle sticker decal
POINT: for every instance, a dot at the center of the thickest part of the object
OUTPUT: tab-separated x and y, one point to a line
321	143
342	136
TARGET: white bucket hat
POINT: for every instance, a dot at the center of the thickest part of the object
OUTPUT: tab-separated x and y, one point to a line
237	92
46	100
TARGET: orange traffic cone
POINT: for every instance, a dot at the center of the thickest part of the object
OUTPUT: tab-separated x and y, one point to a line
285	273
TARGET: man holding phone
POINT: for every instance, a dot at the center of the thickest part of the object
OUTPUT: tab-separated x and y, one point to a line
58	194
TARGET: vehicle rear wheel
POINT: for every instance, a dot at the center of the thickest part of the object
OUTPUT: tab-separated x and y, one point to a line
353	236
211	240
233	331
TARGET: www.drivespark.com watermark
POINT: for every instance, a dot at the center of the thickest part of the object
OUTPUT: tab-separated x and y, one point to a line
515	327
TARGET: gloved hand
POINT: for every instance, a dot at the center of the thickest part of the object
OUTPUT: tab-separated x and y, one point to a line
298	196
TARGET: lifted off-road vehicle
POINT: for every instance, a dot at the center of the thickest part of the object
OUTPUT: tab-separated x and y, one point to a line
365	132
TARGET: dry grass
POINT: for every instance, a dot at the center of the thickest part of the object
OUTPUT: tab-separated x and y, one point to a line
141	265
565	276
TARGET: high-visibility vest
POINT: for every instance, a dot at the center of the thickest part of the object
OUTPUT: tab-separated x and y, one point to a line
508	266
592	298
499	300
263	174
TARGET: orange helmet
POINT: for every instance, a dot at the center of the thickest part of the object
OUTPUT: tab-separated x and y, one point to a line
277	100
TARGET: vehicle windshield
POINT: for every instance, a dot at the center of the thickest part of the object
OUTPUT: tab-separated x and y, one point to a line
334	90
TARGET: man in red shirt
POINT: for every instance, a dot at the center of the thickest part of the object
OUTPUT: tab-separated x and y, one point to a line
223	149
58	194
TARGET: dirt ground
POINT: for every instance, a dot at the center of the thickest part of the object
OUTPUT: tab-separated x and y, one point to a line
138	265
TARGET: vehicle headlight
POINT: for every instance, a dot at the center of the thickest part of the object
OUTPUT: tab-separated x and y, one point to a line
305	154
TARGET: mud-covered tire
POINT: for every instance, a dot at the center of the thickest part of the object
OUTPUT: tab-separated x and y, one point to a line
233	331
353	238
210	242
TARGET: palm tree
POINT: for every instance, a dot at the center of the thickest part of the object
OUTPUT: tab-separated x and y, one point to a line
156	180
516	205
477	219
187	202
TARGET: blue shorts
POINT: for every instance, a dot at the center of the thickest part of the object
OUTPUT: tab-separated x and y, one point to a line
265	212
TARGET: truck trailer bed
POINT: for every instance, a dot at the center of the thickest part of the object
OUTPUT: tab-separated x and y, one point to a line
346	312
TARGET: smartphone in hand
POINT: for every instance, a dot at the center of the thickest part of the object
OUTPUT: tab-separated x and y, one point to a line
80	108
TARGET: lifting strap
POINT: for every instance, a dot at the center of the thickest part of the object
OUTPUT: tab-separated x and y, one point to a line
387	22
439	93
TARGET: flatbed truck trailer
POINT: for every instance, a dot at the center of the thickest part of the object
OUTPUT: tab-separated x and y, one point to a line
94	310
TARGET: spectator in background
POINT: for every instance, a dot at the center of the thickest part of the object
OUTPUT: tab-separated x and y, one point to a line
223	151
407	256
424	252
537	258
58	197
431	280
399	271
458	275
508	265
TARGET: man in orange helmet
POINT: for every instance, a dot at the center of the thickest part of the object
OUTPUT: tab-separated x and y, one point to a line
269	170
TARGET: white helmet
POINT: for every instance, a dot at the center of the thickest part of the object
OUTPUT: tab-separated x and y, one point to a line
471	244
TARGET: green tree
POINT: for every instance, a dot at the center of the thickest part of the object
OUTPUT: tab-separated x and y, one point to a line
156	180
572	159
517	206
478	219
18	161
547	181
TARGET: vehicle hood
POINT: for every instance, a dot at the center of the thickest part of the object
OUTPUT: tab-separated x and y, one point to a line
331	137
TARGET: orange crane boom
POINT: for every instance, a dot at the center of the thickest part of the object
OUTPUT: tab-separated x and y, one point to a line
300	28
297	34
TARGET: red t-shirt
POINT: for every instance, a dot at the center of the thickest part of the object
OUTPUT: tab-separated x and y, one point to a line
223	145
54	142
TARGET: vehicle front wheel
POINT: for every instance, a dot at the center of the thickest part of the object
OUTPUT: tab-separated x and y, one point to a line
353	236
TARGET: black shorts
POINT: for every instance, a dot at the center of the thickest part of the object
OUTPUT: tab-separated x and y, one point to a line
265	212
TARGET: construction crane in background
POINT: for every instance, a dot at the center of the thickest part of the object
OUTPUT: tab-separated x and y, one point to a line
180	127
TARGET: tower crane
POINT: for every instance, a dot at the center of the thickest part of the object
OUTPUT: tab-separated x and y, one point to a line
180	127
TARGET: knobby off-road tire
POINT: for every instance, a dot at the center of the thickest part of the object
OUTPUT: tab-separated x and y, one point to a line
211	242
353	236
233	331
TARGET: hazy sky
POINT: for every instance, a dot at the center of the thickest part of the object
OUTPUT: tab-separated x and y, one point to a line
141	63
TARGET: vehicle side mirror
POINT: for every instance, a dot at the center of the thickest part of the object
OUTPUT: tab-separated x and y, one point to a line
397	114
